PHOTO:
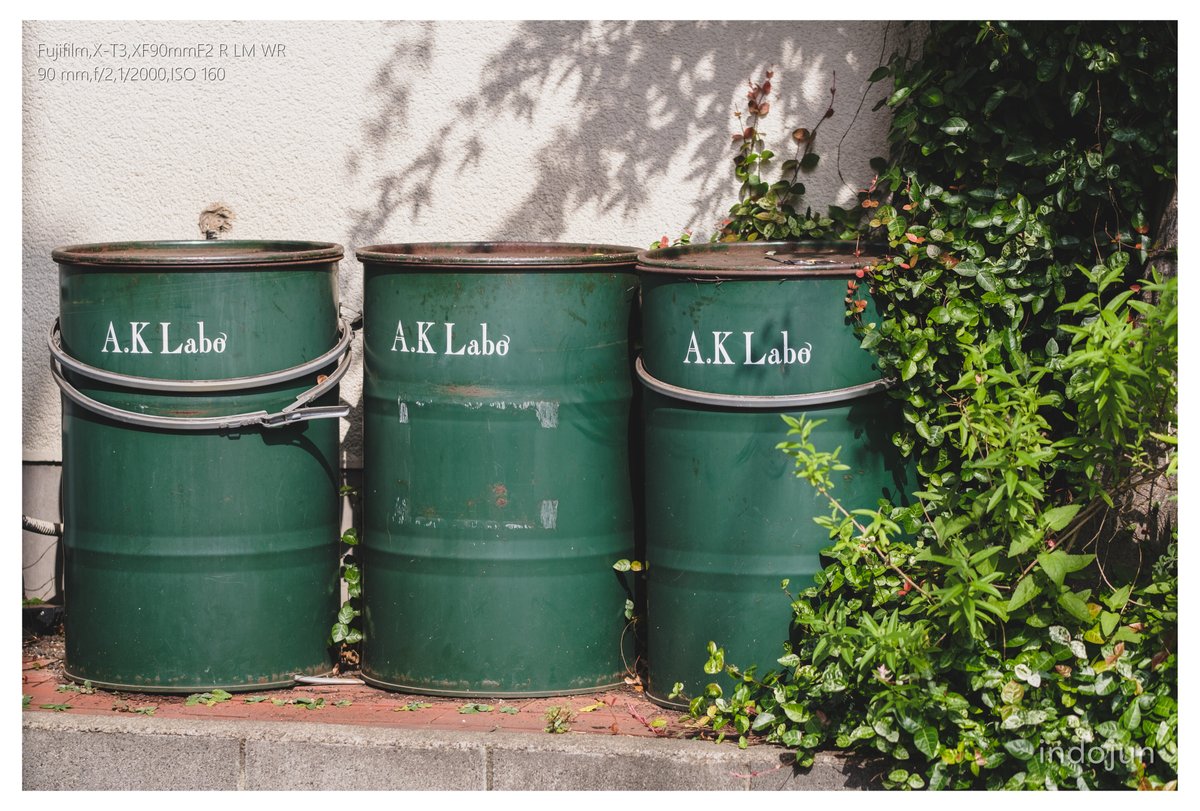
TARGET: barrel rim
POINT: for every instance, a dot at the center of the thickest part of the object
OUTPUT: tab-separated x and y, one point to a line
516	255
689	260
198	253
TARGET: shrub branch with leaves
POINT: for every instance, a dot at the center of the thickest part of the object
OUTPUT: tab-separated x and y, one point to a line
1015	628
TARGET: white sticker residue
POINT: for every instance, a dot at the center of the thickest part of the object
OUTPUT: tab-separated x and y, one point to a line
550	514
547	413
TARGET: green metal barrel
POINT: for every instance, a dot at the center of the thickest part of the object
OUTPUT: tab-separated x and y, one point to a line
200	465
734	335
496	466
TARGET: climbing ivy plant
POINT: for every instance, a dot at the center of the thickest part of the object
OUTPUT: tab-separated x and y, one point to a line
1015	627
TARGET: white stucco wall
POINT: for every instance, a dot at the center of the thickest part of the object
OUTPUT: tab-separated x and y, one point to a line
367	132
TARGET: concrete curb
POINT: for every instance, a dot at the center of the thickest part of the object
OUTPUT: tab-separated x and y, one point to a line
90	752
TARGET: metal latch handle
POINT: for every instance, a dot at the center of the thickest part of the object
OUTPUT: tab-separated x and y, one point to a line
345	336
292	413
760	400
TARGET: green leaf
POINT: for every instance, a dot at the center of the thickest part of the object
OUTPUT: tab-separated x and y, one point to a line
1078	99
1117	600
796	712
1019	748
1026	590
716	659
413	706
898	96
1058	564
987	281
622	565
1075	606
1047	68
926	741
809	161
932	97
1022	153
881	72
1058	518
954	125
1012	692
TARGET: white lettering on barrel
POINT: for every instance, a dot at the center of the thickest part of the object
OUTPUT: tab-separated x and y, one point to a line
783	353
400	338
720	356
198	343
423	345
111	338
137	345
481	344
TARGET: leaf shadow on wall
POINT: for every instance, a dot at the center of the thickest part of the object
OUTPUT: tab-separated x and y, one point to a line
648	98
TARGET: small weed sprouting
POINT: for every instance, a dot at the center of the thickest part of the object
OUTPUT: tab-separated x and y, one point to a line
558	720
84	689
413	706
207	699
308	703
344	631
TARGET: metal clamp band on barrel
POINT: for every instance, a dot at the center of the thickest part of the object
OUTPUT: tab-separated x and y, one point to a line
295	412
345	336
761	400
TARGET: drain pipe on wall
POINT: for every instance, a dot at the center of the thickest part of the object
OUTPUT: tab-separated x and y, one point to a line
41	527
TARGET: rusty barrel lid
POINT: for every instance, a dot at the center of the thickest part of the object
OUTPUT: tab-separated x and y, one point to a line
199	253
760	259
499	255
